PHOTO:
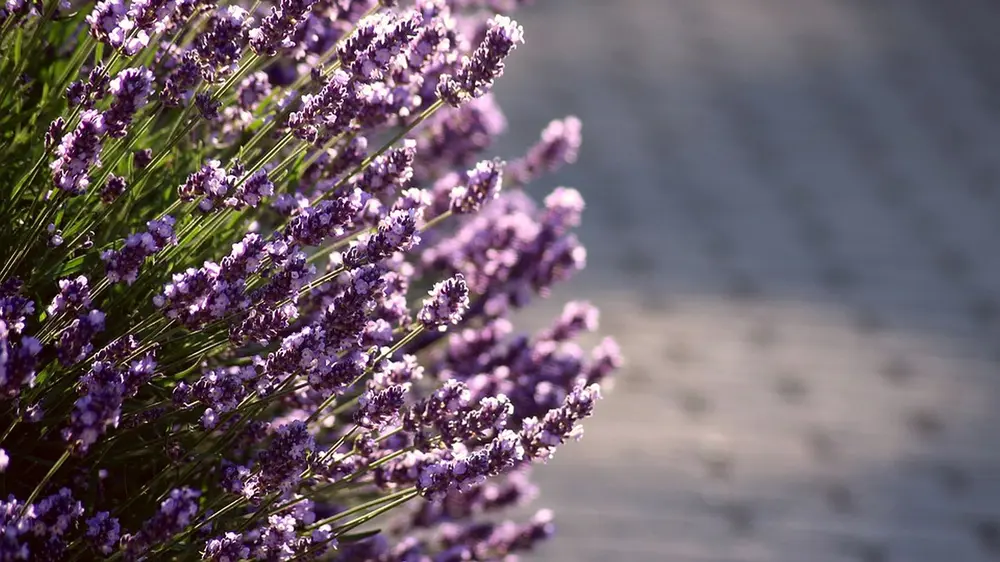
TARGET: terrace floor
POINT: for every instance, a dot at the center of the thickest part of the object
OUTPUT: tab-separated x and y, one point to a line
793	210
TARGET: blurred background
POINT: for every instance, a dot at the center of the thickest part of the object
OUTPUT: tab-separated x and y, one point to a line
792	219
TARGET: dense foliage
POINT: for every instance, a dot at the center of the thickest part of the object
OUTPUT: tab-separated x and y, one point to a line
256	270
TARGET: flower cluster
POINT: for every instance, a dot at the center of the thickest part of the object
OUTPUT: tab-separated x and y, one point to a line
261	296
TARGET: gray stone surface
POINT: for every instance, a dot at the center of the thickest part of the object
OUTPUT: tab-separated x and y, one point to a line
792	224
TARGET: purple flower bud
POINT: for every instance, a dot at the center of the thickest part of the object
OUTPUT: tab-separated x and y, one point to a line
104	22
253	190
482	184
577	317
542	437
54	132
227	548
478	71
74	294
252	90
220	46
319	110
75	341
397	232
130	87
284	459
124	264
501	454
604	360
103	532
276	28
559	145
113	188
327	218
176	513
338	376
377	408
207	106
142	158
448	301
210	182
77	152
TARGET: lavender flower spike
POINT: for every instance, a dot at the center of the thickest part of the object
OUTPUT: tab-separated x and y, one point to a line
74	294
476	76
542	437
77	152
130	87
448	301
376	408
276	28
482	184
560	144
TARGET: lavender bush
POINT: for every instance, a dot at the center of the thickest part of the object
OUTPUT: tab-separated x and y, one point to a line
255	279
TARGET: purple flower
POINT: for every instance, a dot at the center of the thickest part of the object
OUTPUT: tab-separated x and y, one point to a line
313	224
54	132
175	514
320	110
604	360
74	294
337	377
577	317
208	107
142	158
377	408
198	296
77	152
14	308
447	303
477	73
230	547
105	386
276	28
252	90
463	472
103	532
542	437
482	184
144	17
104	22
390	171
559	145
282	462
223	389
130	88
124	264
220	46
18	361
113	188
87	93
210	182
455	137
402	371
74	343
397	232
495	541
178	84
377	40
251	192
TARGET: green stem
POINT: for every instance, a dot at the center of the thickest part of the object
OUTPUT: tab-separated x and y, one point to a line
45	480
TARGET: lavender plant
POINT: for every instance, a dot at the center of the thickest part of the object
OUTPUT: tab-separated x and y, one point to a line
256	270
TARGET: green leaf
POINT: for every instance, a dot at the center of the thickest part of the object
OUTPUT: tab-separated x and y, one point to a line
359	536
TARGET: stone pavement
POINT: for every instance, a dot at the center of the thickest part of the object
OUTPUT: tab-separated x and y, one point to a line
792	225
